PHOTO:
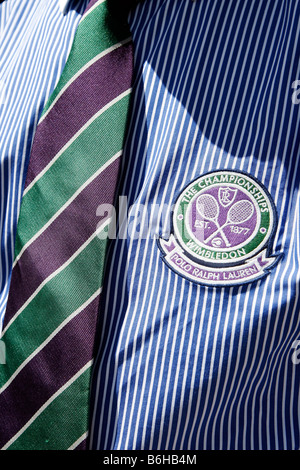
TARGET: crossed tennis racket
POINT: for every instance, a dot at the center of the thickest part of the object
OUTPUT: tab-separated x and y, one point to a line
208	208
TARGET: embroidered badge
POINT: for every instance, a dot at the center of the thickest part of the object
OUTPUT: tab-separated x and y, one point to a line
222	230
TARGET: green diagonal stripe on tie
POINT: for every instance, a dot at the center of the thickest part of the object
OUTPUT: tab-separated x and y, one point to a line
87	47
53	437
60	297
93	141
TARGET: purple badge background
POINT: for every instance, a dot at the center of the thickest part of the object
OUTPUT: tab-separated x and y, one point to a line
234	238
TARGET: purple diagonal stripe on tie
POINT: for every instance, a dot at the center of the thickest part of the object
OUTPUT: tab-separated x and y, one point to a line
58	239
97	86
36	383
82	445
90	5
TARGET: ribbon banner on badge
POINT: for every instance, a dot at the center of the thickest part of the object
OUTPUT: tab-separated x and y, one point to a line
222	230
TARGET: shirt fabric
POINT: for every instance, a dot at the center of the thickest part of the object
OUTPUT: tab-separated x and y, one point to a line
35	39
185	363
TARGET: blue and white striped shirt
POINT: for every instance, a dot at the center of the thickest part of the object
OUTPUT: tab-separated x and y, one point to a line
35	39
193	365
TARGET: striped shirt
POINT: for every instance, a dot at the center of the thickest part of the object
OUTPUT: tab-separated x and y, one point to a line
185	363
35	39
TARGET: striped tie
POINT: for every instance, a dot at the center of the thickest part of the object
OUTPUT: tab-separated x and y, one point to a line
51	315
